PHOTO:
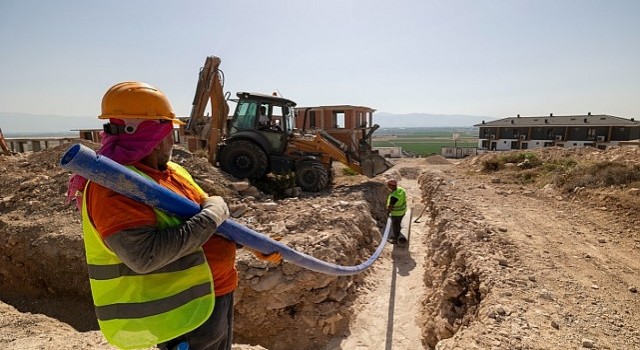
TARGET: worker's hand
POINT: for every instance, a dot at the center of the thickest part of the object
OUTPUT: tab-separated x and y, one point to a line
275	258
215	208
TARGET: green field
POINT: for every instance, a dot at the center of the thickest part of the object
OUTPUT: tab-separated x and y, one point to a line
425	141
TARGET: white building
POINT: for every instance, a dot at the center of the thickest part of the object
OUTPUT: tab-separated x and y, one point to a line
389	152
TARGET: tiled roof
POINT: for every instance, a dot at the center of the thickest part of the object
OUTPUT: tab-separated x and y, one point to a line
561	120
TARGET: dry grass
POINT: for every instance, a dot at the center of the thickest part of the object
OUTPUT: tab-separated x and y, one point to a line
598	175
524	160
563	170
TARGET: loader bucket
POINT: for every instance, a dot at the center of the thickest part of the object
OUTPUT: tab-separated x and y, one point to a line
374	164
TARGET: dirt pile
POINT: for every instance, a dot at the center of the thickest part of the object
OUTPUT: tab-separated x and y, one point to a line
294	307
608	177
43	267
437	160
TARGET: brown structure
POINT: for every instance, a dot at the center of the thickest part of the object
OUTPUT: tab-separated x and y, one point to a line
92	135
36	144
347	123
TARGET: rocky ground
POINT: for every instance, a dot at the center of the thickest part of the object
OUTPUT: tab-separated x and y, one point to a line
533	250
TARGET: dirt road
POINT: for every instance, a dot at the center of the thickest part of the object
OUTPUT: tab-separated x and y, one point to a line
505	267
577	263
386	316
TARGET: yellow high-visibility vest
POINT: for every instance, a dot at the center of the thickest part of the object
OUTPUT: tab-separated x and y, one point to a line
141	310
400	208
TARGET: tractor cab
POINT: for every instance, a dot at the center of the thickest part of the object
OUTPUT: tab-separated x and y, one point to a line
267	120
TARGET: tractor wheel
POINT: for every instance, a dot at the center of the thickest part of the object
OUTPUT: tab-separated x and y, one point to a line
312	176
244	160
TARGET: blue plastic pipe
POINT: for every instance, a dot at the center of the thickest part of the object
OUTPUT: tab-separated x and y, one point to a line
104	171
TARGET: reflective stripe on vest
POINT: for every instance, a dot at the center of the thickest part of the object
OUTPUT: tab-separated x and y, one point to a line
400	208
141	310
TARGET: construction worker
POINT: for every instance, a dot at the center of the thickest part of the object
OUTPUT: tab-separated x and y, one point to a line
396	208
156	279
263	118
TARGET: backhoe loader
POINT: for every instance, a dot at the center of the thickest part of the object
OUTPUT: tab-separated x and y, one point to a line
247	146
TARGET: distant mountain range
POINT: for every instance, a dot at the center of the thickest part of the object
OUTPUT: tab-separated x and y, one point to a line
19	124
417	120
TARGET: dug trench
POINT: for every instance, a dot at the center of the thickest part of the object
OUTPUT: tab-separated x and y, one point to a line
457	276
277	306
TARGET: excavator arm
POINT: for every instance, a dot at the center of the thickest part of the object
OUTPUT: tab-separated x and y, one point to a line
206	132
327	151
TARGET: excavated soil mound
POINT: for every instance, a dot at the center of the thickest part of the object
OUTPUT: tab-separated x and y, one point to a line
437	160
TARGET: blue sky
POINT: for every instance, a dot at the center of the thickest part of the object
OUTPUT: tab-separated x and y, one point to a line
489	58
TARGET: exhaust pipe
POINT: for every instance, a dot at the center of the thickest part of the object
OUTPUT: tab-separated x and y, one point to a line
104	171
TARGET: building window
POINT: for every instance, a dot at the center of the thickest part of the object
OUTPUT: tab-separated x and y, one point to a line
338	120
312	119
591	134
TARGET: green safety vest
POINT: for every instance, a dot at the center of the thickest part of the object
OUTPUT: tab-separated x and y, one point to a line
400	208
141	310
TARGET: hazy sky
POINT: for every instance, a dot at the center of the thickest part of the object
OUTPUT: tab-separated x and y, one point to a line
491	58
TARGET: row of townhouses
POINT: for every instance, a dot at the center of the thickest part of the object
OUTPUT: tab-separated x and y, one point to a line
562	131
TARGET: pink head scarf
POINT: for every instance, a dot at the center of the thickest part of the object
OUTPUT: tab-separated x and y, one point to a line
123	148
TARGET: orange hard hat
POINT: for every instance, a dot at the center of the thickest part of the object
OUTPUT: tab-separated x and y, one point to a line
136	100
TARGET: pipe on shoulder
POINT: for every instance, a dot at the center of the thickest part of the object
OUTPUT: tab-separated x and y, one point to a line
108	173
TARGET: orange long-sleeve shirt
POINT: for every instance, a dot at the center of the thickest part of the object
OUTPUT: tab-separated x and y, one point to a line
111	212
